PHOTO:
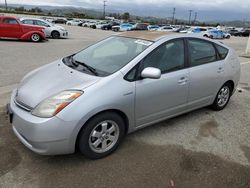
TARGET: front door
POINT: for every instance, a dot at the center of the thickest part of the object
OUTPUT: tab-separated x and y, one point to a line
160	98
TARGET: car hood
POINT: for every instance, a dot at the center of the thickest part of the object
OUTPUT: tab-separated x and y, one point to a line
50	80
59	27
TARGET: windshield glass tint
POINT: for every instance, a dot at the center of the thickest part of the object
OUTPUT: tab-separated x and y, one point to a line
112	54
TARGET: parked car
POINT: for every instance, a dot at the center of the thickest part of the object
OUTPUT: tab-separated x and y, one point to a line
100	25
74	22
59	21
197	30
245	33
51	30
182	29
225	34
213	34
109	26
123	27
166	28
89	24
139	27
90	100
153	27
234	32
11	27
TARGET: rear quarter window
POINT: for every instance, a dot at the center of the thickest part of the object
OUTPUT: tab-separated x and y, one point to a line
222	51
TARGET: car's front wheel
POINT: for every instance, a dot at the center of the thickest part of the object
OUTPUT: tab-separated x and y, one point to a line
223	97
55	35
35	37
101	135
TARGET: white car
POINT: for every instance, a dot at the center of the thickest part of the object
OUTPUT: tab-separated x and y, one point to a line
166	28
100	24
89	23
51	30
74	22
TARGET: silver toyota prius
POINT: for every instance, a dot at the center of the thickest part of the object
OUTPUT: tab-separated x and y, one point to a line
90	100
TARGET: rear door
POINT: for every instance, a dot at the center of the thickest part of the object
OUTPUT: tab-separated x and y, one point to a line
206	72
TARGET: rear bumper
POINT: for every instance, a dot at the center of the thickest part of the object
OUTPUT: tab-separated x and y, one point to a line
46	136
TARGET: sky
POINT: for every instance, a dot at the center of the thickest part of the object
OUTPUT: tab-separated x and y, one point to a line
215	9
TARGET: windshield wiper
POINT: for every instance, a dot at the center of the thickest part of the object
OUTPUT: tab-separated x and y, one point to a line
91	69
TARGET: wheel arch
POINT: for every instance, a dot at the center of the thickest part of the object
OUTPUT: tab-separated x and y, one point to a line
231	82
53	31
117	111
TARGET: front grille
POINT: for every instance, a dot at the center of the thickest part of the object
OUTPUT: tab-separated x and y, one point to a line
22	105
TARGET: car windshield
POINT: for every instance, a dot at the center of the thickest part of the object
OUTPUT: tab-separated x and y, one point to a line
110	55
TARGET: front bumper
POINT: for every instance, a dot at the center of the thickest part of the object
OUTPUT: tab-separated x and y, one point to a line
64	34
45	136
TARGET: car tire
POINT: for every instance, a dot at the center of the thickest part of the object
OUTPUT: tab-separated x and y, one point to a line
228	37
35	37
223	97
101	135
55	35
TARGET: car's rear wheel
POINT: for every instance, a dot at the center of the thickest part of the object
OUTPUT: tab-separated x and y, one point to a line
101	135
55	35
35	37
223	97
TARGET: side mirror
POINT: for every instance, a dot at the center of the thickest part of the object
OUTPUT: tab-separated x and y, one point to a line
152	73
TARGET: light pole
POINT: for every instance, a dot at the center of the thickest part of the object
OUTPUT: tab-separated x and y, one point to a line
173	16
6	5
104	8
195	17
190	13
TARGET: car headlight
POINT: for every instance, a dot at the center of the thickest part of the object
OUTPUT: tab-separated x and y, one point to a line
53	105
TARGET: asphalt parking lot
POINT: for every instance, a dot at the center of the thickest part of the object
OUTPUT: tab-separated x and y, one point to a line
200	149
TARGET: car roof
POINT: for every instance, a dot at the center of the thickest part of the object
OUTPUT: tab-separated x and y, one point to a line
146	35
11	17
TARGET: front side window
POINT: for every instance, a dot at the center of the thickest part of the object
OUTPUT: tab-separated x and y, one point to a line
10	21
168	57
201	52
110	55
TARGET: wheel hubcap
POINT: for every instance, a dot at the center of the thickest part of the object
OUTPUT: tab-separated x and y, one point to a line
104	136
35	37
223	96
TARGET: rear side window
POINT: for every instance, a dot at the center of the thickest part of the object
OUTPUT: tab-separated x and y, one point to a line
29	22
201	52
40	23
10	21
222	51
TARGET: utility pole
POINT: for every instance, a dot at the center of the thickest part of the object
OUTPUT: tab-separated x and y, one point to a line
173	15
190	13
195	17
6	5
104	8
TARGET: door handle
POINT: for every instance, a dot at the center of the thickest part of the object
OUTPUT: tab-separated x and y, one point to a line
182	81
220	70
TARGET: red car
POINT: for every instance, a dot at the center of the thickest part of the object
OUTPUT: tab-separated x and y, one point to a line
11	27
